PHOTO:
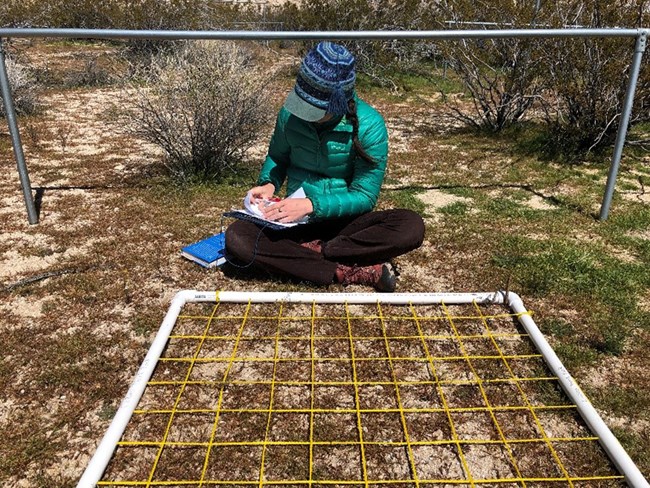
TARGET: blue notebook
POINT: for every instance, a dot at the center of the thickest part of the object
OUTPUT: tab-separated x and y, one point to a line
208	252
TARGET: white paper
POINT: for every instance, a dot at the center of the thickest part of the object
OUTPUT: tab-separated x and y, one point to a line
253	208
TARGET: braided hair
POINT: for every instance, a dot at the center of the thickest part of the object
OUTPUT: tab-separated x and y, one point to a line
354	120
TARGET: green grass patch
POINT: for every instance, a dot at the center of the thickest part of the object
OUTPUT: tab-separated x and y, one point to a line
407	199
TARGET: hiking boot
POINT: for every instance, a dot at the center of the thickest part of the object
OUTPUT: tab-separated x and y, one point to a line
379	276
315	245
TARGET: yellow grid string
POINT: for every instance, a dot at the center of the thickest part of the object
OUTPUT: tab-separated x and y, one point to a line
312	393
178	399
443	399
399	399
394	383
220	401
357	403
461	345
270	415
542	431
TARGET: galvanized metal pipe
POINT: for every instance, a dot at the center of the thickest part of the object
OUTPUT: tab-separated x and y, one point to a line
319	35
640	34
639	49
10	112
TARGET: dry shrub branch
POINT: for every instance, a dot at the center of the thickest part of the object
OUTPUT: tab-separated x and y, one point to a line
204	106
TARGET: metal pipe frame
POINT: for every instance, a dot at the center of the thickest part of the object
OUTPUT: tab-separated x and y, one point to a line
640	35
10	111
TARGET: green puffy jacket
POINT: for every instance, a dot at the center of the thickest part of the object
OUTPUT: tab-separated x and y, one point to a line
322	161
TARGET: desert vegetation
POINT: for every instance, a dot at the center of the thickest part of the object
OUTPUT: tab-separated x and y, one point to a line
503	147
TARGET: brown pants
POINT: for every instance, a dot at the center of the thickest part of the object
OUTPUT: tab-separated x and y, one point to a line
370	238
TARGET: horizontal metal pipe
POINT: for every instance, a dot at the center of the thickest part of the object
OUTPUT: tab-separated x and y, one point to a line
301	35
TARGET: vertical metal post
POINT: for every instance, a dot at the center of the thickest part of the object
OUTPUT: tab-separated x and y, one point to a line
32	216
641	41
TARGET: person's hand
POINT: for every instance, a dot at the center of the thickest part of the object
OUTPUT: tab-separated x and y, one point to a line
260	193
288	210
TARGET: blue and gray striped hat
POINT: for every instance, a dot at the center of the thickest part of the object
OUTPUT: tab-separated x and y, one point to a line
325	83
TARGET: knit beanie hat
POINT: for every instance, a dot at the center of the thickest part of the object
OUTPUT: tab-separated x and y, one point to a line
325	83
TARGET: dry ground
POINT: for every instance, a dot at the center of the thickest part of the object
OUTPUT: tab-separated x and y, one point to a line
85	289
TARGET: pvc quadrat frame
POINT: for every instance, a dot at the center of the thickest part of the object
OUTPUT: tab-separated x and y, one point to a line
353	389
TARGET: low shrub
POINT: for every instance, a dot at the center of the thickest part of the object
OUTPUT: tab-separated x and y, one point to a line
204	105
23	87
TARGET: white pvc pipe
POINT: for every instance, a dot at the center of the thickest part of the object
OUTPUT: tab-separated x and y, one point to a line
104	452
352	298
589	414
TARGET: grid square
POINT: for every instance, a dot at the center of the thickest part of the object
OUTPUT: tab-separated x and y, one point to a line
438	463
411	371
366	328
253	396
181	348
234	463
334	397
489	461
420	396
382	427
190	325
159	397
469	326
388	463
330	327
294	349
406	348
505	394
340	427
256	327
286	463
291	397
208	371
226	326
369	348
250	370
241	427
519	424
377	397
131	463
562	423
489	369
199	397
256	348
454	371
216	349
535	460
191	428
329	348
428	426
333	371
443	348
588	460
375	371
401	327
170	371
474	426
463	396
479	347
338	463
180	463
289	427
293	371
